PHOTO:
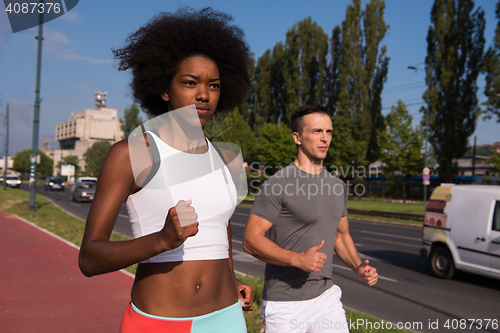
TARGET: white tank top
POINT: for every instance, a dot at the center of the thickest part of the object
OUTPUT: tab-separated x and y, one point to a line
203	178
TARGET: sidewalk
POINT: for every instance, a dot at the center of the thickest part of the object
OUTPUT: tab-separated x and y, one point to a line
43	290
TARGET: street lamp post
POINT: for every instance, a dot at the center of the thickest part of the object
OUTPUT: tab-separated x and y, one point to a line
426	119
36	116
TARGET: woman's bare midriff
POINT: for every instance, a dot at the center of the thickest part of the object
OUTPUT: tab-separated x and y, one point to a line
184	289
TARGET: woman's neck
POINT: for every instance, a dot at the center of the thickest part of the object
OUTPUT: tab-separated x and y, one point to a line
183	137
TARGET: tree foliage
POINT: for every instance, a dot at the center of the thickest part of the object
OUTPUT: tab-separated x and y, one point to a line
22	163
73	160
344	151
357	72
94	156
276	146
291	75
131	120
454	54
400	144
495	160
233	128
304	66
491	66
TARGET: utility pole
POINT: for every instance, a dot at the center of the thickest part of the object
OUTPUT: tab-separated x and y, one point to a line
474	157
6	146
426	157
36	116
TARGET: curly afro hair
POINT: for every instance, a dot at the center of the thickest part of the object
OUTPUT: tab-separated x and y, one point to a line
156	50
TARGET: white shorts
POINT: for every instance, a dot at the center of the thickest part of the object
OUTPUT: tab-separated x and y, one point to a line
318	315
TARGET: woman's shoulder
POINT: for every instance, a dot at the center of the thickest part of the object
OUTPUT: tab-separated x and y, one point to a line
130	147
119	150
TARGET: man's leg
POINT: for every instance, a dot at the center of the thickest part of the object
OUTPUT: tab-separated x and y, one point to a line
283	317
330	312
323	314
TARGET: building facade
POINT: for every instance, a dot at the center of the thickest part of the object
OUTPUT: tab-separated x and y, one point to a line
82	130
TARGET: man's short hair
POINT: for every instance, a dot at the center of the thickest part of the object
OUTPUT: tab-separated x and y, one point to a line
303	111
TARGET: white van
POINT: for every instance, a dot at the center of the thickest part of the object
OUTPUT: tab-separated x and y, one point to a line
462	230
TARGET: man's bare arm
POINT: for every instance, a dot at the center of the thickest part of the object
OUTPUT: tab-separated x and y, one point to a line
346	251
257	244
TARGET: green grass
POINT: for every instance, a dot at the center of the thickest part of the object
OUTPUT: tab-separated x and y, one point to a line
254	318
53	219
362	323
48	217
384	206
383	219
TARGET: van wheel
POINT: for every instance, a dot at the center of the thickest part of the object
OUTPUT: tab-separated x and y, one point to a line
442	263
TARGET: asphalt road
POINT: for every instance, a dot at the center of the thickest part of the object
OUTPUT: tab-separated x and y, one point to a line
407	293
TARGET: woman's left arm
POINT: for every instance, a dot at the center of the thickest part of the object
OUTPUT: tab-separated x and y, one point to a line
245	291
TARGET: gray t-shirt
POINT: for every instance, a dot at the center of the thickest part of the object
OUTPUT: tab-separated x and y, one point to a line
304	210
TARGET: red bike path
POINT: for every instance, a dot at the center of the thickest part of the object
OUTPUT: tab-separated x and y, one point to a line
42	289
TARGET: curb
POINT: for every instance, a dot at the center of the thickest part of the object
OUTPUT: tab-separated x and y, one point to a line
64	210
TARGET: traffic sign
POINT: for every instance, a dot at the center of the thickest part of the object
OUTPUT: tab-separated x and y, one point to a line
426	171
426	182
426	177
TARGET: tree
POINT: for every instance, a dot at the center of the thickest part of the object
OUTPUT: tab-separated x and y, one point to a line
262	106
94	156
495	160
269	90
358	71
22	163
235	130
400	144
131	120
304	66
454	54
73	160
344	152
246	107
491	66
276	147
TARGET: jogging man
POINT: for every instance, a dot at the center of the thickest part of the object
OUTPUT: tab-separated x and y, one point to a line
304	208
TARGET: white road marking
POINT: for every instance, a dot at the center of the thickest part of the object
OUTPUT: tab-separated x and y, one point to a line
237	241
386	278
380	277
238	224
74	204
122	215
388	235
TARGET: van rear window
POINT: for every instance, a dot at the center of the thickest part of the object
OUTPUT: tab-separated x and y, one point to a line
496	217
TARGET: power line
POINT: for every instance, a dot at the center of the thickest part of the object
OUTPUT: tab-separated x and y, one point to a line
404	85
410	104
403	89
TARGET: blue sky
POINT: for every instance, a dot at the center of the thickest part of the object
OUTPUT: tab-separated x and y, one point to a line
77	58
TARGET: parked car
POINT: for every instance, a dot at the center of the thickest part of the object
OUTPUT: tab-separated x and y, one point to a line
13	181
83	189
462	230
54	183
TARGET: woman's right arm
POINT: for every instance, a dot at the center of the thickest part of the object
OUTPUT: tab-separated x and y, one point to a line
98	255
